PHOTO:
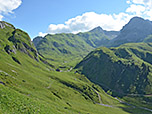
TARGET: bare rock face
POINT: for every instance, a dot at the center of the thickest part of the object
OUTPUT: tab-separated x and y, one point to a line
135	31
2	25
10	49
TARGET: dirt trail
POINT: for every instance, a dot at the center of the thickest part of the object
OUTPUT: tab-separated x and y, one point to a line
133	106
101	100
120	102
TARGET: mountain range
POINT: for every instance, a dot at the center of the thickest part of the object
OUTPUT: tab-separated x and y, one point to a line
53	47
72	46
136	30
94	72
29	84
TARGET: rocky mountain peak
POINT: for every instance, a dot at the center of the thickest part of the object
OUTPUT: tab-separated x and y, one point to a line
136	30
138	23
97	29
2	24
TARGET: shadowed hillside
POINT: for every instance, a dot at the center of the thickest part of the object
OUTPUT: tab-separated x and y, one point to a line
123	70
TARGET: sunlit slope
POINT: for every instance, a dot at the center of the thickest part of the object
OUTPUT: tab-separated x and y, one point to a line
29	84
69	48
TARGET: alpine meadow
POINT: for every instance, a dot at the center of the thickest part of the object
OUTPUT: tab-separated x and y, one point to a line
95	71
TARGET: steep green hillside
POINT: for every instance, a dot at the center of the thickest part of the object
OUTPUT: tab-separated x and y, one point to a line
69	48
63	48
123	70
148	39
29	84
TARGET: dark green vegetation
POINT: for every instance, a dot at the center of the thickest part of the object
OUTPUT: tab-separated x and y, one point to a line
29	83
148	39
123	70
67	48
64	50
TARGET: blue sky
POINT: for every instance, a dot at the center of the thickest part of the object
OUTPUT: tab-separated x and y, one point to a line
39	17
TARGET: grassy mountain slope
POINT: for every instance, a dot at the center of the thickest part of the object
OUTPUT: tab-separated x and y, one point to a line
32	88
148	39
62	47
69	48
123	70
30	85
95	37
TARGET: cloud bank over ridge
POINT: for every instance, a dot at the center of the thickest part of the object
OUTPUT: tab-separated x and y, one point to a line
90	20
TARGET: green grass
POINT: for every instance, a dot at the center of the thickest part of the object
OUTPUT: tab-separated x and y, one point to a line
148	39
29	85
32	88
66	48
125	69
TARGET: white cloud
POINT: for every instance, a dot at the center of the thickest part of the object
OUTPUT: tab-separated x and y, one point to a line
141	8
1	17
144	2
148	14
128	2
136	9
42	34
138	1
7	6
90	20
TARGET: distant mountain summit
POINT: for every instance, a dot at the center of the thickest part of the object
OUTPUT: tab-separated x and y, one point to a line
136	30
97	30
109	34
37	40
65	45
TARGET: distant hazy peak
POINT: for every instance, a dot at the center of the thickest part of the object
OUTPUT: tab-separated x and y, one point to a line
97	29
37	39
137	22
136	30
136	18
